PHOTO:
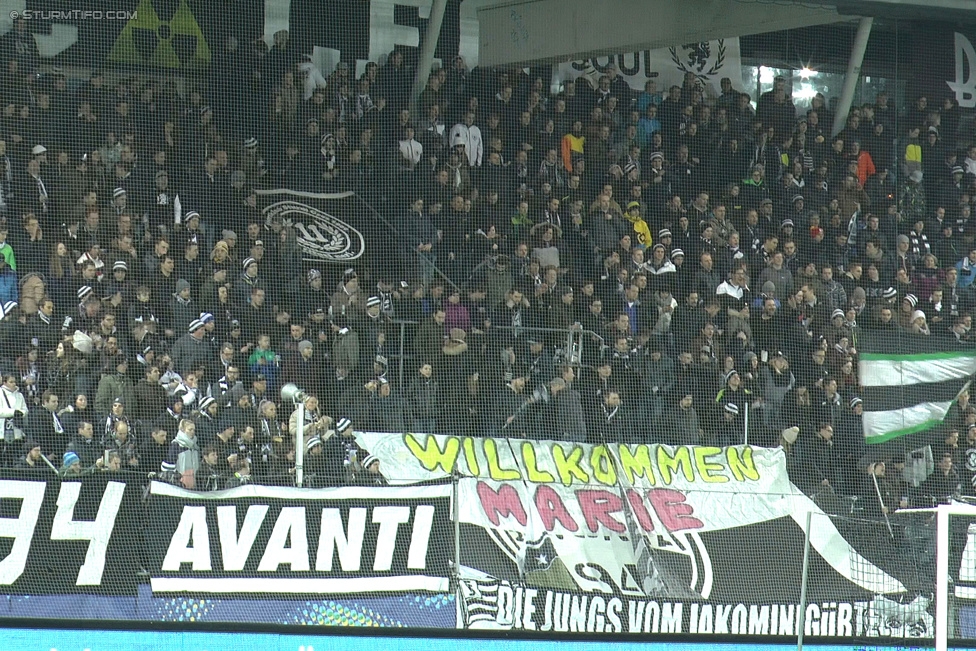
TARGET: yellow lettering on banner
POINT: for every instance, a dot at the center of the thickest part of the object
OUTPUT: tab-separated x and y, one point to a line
637	464
743	467
706	469
535	475
430	455
669	464
495	471
568	466
474	468
602	465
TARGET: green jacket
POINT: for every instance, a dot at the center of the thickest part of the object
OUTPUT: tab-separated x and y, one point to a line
267	355
112	386
7	252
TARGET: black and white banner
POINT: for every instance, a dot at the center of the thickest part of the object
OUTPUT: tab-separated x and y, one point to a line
742	581
555	536
963	84
329	227
67	537
255	540
708	61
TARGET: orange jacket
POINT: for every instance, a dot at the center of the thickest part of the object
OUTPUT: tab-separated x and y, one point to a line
865	167
571	145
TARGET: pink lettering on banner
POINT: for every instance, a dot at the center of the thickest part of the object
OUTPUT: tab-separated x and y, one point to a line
503	503
597	505
640	511
551	508
673	510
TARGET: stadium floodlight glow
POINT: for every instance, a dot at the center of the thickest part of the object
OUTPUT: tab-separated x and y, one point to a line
806	72
766	75
805	92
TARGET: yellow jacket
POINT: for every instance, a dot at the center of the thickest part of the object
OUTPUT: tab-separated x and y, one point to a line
641	230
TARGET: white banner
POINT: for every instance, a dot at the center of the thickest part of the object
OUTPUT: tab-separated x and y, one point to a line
583	503
709	61
567	487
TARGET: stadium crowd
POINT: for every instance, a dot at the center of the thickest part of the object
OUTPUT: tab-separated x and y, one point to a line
718	256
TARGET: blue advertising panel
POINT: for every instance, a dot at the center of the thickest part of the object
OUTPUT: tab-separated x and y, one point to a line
50	640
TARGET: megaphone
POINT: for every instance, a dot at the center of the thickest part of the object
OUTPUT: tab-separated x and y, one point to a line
291	393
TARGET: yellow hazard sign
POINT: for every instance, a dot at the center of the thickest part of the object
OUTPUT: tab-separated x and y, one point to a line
148	39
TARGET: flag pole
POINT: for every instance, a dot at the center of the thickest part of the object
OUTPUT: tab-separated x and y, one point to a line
50	465
877	491
745	429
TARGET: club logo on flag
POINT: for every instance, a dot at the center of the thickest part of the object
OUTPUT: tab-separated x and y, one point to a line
964	84
707	60
321	236
696	58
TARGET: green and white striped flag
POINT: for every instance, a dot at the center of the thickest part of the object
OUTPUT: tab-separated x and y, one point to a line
909	382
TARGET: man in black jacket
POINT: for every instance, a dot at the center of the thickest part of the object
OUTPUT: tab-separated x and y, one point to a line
341	455
153	450
562	419
85	445
44	426
822	462
613	422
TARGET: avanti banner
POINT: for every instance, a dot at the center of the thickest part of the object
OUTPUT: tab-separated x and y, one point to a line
262	540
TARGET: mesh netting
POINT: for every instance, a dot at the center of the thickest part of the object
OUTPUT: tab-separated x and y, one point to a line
652	307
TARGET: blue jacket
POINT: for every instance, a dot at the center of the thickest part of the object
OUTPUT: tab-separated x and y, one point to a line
967	273
8	286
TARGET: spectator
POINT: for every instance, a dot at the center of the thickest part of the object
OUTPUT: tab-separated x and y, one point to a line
563	420
184	451
116	386
45	427
121	442
681	425
33	460
943	484
71	465
424	400
154	450
85	446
